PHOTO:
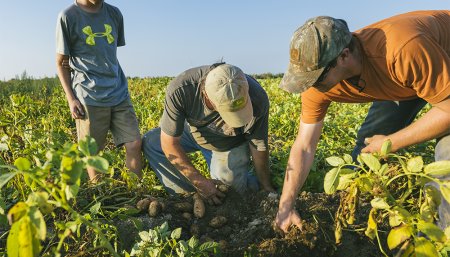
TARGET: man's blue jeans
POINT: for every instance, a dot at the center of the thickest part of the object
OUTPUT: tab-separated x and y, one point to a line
387	117
231	167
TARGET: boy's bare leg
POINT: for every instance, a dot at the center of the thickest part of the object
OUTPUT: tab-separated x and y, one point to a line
134	157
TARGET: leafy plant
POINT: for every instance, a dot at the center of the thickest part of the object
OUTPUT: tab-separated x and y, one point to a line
395	186
160	241
55	184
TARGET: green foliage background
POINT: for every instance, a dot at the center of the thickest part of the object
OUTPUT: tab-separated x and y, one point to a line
34	117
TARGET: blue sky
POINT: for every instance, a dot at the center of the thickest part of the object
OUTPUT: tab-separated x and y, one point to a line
166	37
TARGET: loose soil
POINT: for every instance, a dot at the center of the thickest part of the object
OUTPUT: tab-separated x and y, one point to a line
248	230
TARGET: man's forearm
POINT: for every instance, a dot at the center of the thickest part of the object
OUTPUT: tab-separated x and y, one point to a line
434	124
261	164
178	157
64	77
300	160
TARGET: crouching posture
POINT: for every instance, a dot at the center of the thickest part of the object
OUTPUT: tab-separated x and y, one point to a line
222	112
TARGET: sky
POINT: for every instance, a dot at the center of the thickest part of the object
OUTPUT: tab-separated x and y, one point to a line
164	38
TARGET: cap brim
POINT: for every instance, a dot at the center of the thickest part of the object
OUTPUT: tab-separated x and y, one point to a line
295	81
239	118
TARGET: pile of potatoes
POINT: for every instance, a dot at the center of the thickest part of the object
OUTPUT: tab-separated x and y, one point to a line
154	207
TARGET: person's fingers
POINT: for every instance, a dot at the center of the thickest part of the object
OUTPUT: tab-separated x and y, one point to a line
220	194
297	222
216	200
277	229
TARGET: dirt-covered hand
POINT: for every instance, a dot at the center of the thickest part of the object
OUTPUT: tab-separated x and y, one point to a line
285	219
208	191
76	109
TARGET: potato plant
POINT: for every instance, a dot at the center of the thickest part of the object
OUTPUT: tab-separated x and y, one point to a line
402	191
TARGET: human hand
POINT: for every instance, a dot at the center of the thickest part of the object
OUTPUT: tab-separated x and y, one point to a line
208	191
76	109
285	219
374	144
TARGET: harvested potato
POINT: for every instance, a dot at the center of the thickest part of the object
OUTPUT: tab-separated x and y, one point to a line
199	206
143	204
223	244
154	208
218	222
183	207
223	188
187	215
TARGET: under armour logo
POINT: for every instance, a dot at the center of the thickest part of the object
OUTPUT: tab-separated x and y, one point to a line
90	40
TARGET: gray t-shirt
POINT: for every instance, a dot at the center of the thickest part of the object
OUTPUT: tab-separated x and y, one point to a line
91	41
184	102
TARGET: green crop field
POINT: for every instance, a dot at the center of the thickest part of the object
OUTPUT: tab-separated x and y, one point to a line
46	210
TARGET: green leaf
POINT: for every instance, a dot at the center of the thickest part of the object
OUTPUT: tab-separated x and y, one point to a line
415	164
348	158
398	235
445	190
29	244
398	215
386	147
98	163
335	161
38	222
346	178
22	164
383	169
88	146
176	233
17	212
439	168
71	170
432	231
371	225
371	161
40	199
379	203
193	242
12	243
424	248
207	246
364	184
4	178
331	181
95	208
144	235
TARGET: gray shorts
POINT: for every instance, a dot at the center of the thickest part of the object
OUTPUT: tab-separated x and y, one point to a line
120	119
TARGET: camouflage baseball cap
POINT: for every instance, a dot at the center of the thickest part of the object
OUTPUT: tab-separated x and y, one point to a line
227	88
313	46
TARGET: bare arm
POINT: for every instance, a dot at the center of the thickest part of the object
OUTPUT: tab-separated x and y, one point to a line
261	163
76	109
177	156
434	124
300	160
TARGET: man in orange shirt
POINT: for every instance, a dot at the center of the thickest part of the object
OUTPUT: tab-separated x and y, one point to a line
403	58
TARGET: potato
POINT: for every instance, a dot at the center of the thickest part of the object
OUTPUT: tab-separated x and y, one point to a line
154	208
187	215
199	206
218	221
223	188
183	207
143	204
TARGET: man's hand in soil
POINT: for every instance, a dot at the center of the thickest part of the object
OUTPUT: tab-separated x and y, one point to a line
207	189
285	219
